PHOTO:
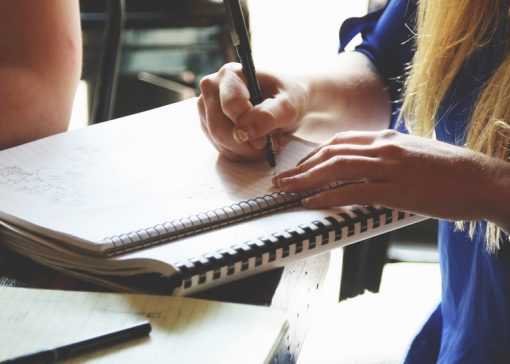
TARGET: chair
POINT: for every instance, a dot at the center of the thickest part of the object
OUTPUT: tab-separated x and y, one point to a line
106	84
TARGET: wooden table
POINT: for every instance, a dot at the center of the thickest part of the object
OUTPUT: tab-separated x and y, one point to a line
294	288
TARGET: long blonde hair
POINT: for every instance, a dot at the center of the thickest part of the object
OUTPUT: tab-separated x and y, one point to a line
448	32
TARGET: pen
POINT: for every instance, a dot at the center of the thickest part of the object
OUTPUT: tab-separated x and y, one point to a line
241	42
64	352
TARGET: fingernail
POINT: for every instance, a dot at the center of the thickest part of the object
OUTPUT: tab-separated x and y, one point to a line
283	182
276	144
241	135
307	156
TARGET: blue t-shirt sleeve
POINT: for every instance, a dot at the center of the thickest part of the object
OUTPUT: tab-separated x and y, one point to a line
388	41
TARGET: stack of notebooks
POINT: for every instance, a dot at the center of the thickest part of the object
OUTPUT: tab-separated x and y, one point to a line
144	203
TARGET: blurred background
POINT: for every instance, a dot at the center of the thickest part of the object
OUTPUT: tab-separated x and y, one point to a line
166	46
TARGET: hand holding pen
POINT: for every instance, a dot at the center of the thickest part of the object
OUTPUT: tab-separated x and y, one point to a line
236	127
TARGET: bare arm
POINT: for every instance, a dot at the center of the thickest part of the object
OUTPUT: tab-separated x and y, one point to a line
346	94
40	66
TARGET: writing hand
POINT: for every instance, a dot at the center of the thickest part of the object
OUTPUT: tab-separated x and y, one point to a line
237	128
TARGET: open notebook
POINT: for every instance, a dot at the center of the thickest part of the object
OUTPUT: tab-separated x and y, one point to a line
184	330
147	195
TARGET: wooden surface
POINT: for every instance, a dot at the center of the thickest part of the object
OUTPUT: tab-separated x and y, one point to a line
298	293
294	288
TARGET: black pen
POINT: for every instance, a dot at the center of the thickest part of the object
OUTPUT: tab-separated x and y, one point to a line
241	42
64	352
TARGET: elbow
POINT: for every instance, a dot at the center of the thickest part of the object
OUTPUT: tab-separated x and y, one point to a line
37	105
50	110
58	82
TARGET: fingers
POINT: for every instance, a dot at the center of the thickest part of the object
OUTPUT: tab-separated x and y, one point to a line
233	94
233	124
324	153
338	168
277	113
360	138
215	122
347	157
224	152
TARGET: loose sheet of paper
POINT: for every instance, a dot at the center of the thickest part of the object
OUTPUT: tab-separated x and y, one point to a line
183	330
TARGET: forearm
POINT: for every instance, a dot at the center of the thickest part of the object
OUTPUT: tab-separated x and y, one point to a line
495	194
347	94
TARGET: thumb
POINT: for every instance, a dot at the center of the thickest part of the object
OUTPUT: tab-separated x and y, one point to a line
272	114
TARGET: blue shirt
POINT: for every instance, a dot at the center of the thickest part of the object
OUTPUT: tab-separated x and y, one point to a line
472	322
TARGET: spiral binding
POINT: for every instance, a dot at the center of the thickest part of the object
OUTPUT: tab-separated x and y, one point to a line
304	238
201	222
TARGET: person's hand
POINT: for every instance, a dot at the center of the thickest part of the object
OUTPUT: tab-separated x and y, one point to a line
235	127
400	171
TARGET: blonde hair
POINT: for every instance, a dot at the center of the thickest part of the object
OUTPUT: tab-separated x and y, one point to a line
448	32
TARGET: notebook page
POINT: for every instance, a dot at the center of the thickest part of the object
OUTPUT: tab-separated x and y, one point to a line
32	320
126	175
183	330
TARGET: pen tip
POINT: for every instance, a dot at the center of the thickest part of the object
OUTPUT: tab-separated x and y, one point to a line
270	151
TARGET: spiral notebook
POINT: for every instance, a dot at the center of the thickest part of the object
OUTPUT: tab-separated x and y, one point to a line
148	196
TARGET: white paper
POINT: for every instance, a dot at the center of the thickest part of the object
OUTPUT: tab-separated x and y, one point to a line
126	175
183	330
